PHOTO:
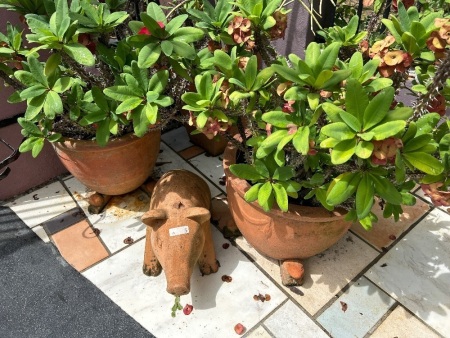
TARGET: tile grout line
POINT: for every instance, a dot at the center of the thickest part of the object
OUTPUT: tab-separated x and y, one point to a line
368	267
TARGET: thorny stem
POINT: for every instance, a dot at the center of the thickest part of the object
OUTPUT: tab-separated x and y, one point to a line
89	78
374	22
11	81
176	7
422	102
265	49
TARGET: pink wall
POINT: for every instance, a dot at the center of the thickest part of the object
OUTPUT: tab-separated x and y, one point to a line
26	172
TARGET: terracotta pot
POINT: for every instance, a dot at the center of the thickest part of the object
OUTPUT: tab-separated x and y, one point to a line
212	147
118	168
299	233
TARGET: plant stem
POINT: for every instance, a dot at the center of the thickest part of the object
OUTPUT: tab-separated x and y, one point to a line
11	81
89	78
424	100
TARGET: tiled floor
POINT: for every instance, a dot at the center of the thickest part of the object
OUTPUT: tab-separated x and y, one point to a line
391	282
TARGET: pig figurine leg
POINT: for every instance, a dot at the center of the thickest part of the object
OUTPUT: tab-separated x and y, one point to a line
207	260
151	265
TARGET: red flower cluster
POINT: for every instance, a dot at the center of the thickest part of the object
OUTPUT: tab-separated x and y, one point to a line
279	29
145	31
384	151
439	40
438	197
390	60
86	40
241	32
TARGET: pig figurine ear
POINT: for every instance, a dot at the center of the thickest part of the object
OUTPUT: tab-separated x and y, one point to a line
198	214
152	217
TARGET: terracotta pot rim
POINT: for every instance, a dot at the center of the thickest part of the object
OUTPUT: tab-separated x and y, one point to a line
241	186
116	142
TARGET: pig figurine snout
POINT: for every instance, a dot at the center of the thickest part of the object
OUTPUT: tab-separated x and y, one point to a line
178	231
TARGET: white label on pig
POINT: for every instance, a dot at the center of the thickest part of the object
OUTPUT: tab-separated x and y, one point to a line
179	231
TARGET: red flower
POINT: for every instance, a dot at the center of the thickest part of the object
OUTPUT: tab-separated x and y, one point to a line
145	31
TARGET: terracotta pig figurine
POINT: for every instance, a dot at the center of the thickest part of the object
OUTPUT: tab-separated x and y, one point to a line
178	230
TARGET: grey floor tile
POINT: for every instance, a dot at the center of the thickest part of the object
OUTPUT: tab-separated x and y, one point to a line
355	312
177	139
417	271
291	321
63	221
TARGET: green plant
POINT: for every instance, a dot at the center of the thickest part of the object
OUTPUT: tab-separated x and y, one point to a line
106	73
328	129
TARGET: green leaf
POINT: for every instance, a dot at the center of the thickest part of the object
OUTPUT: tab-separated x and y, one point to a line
364	197
37	147
62	84
388	129
301	140
158	81
32	91
343	151
378	108
252	193
342	187
53	104
79	53
338	130
102	133
174	24
120	93
188	34
128	104
277	118
264	196
287	73
327	58
283	173
417	143
364	149
156	12
148	55
167	47
351	121
270	143
184	50
386	189
281	196
356	100
245	172
424	162
34	107
52	64
37	70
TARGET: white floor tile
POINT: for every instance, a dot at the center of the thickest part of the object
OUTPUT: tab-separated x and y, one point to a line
211	167
325	274
40	231
218	305
259	332
177	139
42	204
400	323
355	312
290	321
121	217
417	271
173	161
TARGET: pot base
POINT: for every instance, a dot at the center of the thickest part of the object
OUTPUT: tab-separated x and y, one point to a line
300	233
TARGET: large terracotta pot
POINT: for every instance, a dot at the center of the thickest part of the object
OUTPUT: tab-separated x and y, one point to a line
287	236
118	168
